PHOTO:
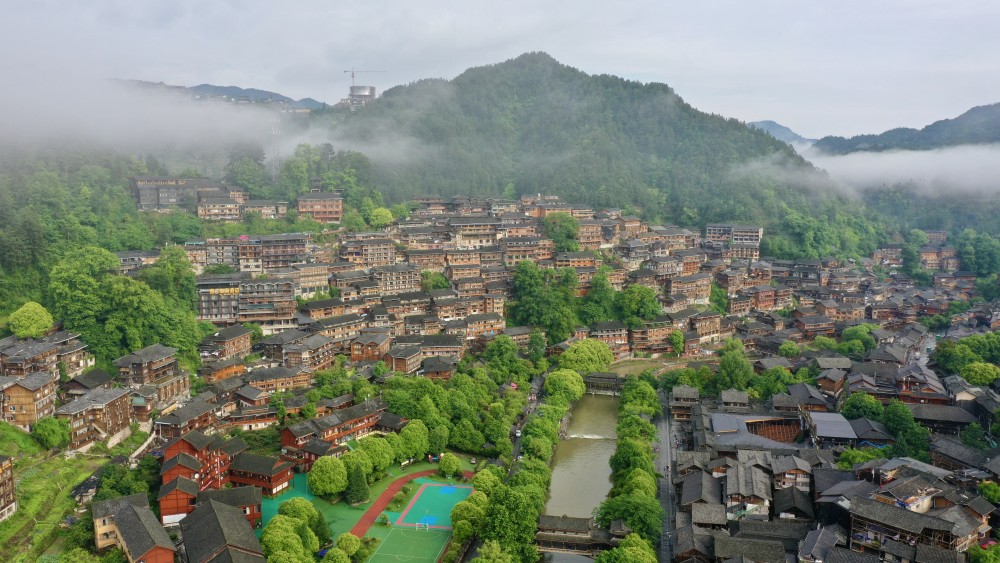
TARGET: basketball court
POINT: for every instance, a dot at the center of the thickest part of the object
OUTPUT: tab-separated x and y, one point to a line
431	506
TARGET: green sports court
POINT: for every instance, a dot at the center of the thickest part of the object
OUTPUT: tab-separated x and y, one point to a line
431	506
411	545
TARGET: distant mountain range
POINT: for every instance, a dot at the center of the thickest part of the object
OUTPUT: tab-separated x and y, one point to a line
781	133
979	125
235	94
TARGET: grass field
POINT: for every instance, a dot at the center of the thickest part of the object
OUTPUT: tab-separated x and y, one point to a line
410	545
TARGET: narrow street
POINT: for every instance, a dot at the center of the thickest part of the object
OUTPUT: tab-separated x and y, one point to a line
665	463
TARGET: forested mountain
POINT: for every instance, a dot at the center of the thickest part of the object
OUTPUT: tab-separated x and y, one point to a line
252	94
236	93
979	125
536	125
780	132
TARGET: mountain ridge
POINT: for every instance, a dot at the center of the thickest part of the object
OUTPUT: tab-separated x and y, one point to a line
234	93
781	132
532	124
978	125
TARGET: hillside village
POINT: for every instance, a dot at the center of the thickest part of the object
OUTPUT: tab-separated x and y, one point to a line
745	476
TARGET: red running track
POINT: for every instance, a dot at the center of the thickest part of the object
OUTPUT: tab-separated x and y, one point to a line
380	504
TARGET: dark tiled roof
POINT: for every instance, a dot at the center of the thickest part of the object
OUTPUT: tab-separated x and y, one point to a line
792	498
214	526
147	354
759	551
94	398
93	378
140	531
185	414
258	464
105	508
941	413
235	496
182	459
895	517
708	514
747	481
841	555
182	484
700	487
931	554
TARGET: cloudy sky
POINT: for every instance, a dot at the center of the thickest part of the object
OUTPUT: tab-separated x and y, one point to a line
844	67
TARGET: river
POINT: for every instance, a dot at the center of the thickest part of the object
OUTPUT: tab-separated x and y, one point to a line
581	476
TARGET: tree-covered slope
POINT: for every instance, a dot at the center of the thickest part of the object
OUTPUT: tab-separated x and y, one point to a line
979	125
541	126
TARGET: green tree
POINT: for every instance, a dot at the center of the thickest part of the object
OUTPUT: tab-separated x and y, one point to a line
77	555
565	385
437	441
630	454
861	333
491	552
449	464
511	520
851	457
643	514
486	482
974	436
536	346
357	485
303	510
586	356
990	491
734	371
468	511
415	438
718	299
562	228
789	349
862	405
952	356
980	373
676	339
430	280
637	302
599	302
328	477
288	538
30	321
633	549
380	218
379	451
348	543
173	277
51	432
544	299
336	555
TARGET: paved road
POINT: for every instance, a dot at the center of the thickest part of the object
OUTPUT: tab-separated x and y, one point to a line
665	463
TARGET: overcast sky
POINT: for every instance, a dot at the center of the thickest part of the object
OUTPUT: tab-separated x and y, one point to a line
844	68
